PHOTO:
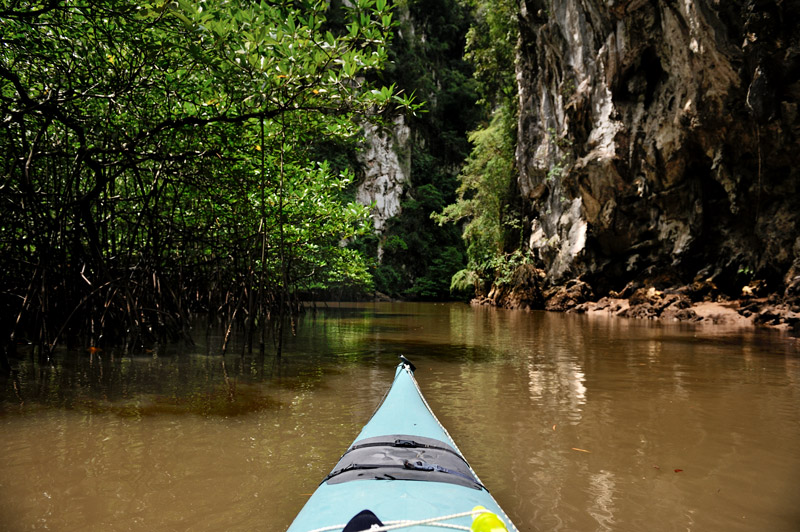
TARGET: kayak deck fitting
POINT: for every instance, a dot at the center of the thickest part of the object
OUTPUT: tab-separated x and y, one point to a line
402	472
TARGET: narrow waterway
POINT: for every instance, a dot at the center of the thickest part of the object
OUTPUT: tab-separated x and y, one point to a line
574	423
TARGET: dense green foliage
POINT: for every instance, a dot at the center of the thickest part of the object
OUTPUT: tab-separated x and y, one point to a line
491	45
487	203
159	160
490	223
427	58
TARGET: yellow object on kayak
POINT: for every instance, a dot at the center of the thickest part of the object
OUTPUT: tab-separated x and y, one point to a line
487	522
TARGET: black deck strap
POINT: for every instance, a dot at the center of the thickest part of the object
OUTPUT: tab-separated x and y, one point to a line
363	520
419	465
403	457
404	472
409	444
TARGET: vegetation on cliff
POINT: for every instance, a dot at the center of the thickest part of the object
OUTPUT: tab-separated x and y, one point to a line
488	206
418	256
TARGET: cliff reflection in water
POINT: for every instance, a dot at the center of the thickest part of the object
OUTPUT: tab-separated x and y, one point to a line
573	423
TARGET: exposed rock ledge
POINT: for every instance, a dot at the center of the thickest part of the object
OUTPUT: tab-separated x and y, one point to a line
735	313
696	303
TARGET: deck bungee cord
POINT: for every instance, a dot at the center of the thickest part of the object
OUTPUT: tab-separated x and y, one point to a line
431	522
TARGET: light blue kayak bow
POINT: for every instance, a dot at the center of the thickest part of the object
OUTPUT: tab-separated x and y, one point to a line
404	469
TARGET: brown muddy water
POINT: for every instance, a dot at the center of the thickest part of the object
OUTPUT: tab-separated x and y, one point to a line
574	423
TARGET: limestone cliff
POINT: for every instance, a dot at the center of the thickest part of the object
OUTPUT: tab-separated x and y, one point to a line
386	163
658	141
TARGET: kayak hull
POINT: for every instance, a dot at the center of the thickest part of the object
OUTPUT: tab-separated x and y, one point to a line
399	488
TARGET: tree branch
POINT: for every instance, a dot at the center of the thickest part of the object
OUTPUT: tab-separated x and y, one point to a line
53	4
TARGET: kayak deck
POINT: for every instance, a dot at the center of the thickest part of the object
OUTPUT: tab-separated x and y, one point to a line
403	466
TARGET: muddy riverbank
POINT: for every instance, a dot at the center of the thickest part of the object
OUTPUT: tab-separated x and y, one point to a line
700	302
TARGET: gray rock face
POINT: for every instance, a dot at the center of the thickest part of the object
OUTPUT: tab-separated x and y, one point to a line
387	162
659	139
